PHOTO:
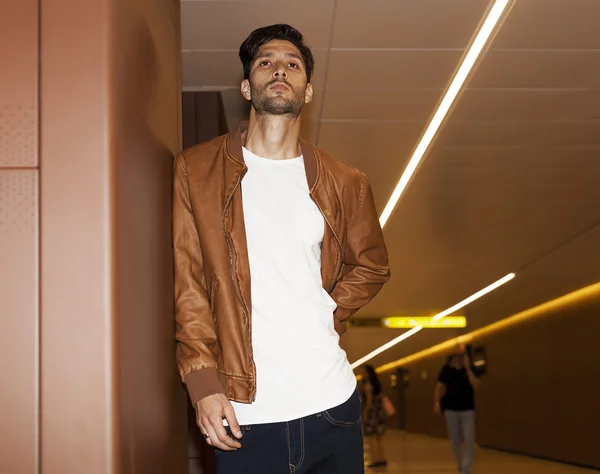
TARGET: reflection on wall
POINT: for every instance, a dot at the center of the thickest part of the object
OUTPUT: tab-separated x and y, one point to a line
147	129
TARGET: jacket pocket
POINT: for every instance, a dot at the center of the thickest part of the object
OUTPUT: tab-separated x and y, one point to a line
243	428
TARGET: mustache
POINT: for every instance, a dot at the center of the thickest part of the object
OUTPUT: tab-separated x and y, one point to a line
276	81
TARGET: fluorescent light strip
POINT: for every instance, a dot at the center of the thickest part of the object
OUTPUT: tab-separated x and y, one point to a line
477	295
459	79
586	294
437	317
385	347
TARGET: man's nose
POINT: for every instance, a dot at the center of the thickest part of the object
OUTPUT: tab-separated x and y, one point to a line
280	71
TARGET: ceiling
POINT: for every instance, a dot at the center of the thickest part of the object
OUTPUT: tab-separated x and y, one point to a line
509	185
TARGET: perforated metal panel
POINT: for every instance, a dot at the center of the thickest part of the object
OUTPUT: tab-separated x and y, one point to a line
18	202
19	307
19	84
18	135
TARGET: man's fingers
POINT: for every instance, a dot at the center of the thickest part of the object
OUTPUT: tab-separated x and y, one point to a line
222	436
214	439
204	431
234	426
209	417
202	426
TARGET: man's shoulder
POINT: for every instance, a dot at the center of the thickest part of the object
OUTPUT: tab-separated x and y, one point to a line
339	168
203	151
445	370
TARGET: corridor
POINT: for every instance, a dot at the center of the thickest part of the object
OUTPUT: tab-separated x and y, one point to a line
416	454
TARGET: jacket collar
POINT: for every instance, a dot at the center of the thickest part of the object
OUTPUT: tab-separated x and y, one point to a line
234	145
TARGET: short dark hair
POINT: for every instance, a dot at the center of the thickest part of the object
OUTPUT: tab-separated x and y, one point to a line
373	379
259	37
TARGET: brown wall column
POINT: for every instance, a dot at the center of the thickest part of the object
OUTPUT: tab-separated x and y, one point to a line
152	402
110	399
79	411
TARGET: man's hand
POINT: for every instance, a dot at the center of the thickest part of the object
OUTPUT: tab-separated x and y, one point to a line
440	393
473	379
210	412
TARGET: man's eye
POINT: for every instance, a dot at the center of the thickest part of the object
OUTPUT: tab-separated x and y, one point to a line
293	65
264	63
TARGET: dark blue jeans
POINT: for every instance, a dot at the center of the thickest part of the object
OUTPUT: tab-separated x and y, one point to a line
329	442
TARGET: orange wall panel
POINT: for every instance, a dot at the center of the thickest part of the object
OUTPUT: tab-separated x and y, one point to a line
18	321
19	83
111	399
19	230
78	354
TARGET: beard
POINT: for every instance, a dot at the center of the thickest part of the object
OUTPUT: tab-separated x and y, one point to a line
277	105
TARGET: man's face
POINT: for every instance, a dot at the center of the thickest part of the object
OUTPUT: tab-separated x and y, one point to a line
278	83
458	355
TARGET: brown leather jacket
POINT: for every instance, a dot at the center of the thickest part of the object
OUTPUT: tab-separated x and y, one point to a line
212	275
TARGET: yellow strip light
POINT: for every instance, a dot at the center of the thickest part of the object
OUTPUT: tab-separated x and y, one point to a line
437	317
399	322
584	294
456	85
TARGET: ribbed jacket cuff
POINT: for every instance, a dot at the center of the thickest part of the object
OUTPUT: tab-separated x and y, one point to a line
202	383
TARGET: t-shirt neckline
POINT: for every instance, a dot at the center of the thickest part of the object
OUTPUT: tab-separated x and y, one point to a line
262	159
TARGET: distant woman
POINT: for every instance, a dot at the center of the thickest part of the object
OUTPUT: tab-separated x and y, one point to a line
373	416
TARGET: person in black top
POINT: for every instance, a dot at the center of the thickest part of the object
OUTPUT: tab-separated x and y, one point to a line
455	398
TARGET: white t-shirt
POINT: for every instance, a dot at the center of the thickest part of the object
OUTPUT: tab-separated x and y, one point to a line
301	369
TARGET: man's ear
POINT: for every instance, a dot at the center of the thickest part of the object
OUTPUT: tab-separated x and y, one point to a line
246	89
308	95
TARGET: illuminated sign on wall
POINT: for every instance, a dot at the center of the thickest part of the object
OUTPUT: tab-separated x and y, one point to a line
425	322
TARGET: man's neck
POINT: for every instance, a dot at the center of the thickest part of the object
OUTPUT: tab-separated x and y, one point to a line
274	137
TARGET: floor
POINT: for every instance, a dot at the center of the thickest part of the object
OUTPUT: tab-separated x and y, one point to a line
415	454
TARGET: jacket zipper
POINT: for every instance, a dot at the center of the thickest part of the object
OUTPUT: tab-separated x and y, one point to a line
339	262
237	293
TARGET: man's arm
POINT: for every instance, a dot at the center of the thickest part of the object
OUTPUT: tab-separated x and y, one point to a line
440	392
365	260
473	379
195	329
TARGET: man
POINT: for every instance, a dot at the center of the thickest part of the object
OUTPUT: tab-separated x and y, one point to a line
276	245
454	396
